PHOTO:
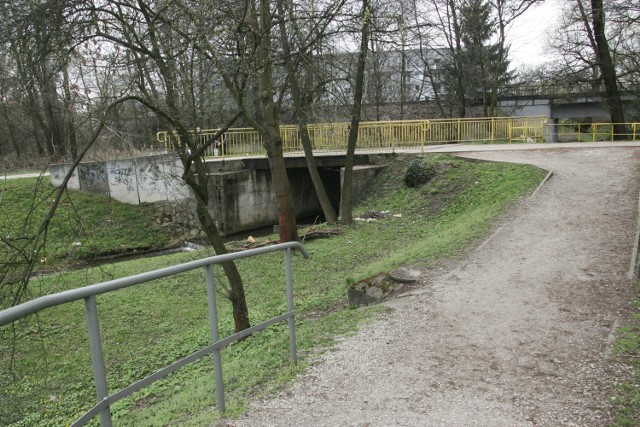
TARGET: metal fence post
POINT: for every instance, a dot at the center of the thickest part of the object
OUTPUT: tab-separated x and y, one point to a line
97	359
579	132
215	336
493	130
291	319
424	136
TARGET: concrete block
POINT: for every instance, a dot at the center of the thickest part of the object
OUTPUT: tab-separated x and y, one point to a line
152	185
123	181
177	189
58	173
370	290
93	178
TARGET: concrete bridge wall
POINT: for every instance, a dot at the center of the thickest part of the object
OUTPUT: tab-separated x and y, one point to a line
140	180
241	196
554	109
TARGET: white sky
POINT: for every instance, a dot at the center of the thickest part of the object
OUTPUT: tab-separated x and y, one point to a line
528	35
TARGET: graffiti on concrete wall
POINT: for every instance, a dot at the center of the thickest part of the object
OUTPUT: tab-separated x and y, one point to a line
93	178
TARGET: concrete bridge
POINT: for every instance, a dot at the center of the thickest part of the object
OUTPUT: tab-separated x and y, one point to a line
241	196
557	103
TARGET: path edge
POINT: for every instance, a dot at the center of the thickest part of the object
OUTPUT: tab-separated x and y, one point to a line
633	267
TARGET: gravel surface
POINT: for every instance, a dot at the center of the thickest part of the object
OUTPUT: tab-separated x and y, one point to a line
518	333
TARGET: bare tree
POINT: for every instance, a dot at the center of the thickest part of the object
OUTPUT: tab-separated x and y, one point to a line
596	33
305	89
585	46
623	20
40	42
239	40
446	21
161	62
346	202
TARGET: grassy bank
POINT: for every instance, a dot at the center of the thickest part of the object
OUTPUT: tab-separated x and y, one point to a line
626	399
149	326
84	228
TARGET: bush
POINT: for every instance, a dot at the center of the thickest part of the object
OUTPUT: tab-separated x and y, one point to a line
418	173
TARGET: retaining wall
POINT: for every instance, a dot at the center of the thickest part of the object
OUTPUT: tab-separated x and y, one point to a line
133	181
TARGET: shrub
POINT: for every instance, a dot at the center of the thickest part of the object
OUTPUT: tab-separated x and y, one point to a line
418	173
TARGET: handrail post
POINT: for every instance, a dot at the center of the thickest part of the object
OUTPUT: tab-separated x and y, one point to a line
579	132
291	318
215	337
391	137
426	127
493	130
97	358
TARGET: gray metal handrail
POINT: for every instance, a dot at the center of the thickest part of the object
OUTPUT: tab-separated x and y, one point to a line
88	294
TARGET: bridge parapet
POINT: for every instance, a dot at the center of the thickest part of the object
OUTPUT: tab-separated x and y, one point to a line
550	91
386	135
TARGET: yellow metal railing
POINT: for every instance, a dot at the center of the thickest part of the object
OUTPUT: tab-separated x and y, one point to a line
592	132
387	135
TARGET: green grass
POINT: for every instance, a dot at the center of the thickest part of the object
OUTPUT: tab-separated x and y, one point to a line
147	327
84	228
626	399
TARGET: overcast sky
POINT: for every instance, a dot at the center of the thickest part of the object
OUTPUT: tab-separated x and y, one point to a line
528	35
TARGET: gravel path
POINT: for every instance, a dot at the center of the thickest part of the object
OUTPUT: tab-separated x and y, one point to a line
516	334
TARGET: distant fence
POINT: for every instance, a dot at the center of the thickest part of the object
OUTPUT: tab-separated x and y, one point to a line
387	135
545	90
592	132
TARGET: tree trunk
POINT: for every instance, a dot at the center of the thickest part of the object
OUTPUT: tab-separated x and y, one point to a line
70	122
403	78
287	229
196	175
346	204
197	178
270	129
301	114
495	73
236	289
376	57
11	129
53	114
457	62
38	129
327	208
607	69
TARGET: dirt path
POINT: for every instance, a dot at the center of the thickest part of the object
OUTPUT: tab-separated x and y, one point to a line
518	334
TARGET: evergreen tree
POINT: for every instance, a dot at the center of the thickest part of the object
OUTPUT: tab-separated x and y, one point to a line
483	66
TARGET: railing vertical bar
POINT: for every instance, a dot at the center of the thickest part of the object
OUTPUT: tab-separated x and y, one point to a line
97	358
392	136
291	319
215	337
579	132
494	129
